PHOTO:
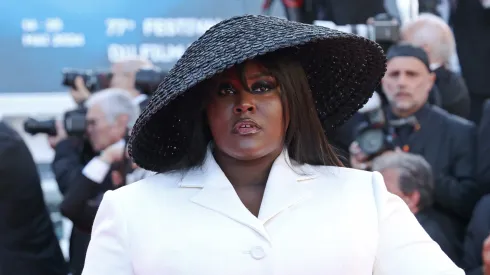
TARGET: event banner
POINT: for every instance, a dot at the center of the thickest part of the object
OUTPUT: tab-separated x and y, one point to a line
41	38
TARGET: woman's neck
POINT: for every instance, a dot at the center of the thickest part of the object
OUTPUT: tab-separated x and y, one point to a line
245	172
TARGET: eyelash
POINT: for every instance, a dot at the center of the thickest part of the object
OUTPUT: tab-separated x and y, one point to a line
225	90
260	85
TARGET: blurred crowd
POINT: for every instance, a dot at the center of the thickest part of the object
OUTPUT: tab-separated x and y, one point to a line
425	130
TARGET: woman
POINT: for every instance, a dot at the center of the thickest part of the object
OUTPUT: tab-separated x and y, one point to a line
247	182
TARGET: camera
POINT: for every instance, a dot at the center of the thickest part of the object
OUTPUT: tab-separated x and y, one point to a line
429	6
148	79
385	28
74	123
381	28
93	80
374	135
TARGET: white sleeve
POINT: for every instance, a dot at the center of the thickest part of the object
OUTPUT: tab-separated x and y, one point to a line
404	247
96	170
108	252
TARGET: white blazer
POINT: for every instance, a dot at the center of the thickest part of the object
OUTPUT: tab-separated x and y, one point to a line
313	220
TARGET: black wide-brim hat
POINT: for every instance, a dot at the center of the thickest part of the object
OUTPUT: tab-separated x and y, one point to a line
342	70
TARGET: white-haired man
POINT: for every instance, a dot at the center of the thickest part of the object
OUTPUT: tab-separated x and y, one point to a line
432	33
111	113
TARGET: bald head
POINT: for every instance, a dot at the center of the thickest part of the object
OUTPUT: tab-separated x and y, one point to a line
431	33
124	74
132	65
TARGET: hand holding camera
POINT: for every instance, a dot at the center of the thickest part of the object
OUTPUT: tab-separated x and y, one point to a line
114	153
360	160
115	156
79	93
61	134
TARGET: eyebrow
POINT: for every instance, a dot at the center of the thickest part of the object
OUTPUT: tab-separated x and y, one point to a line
259	75
251	77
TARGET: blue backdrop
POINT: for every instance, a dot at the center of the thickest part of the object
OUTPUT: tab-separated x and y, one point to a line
40	38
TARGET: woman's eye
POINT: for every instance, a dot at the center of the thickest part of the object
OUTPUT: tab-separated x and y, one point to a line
226	89
261	87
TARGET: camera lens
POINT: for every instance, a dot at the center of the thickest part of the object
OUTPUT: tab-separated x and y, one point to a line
34	127
371	141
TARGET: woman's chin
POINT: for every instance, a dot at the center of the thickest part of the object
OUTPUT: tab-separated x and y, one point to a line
248	150
252	153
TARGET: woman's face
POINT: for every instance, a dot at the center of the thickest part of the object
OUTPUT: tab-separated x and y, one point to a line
246	116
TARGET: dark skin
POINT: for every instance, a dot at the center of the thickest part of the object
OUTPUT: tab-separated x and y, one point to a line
248	128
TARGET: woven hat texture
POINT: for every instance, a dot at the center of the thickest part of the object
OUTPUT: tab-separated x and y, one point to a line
342	70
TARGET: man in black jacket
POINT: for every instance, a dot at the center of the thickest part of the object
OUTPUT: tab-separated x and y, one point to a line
446	141
110	114
28	244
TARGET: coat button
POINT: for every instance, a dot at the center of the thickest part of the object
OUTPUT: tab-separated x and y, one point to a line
257	253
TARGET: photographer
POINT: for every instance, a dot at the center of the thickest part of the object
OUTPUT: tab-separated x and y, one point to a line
110	115
123	75
446	141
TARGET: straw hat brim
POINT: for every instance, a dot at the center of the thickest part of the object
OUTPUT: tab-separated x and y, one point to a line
342	69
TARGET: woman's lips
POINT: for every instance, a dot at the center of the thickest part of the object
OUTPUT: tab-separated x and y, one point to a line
246	127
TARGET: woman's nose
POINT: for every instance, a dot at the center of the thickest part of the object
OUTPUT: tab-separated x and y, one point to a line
245	104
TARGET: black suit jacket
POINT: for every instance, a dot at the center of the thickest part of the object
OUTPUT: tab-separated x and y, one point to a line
28	244
448	143
438	226
82	201
67	166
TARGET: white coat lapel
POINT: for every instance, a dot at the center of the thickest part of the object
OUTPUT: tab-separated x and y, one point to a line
219	195
284	188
